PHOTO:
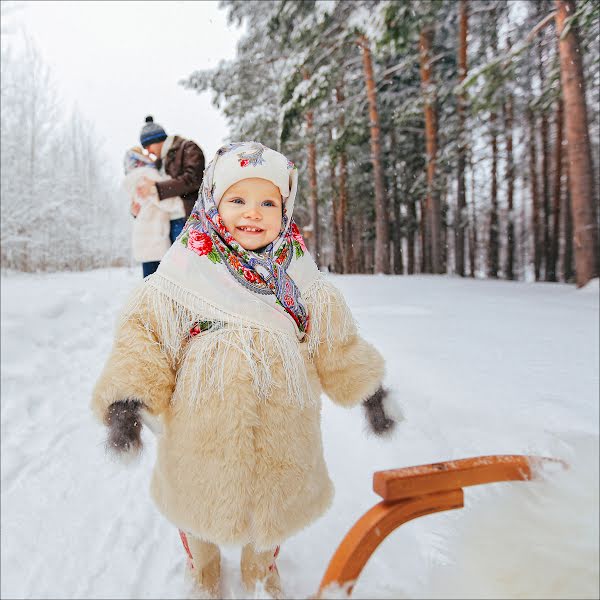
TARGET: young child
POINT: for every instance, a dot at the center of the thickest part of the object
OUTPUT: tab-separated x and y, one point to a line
150	232
230	344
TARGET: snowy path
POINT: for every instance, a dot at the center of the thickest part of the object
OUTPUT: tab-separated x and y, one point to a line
481	367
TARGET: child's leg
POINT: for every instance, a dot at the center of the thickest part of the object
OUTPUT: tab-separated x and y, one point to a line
204	560
260	566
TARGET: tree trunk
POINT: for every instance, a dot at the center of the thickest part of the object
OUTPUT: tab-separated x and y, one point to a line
533	182
510	186
342	219
568	249
315	247
580	158
545	224
432	205
444	226
461	216
410	235
411	228
493	260
353	249
397	226
473	225
382	261
335	209
556	200
424	235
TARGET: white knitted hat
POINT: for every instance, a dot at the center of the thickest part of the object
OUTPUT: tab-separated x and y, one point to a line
252	159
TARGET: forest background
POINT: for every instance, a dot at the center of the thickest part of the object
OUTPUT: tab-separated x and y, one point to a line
442	136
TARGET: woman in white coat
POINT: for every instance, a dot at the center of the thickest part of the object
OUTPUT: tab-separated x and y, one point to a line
151	226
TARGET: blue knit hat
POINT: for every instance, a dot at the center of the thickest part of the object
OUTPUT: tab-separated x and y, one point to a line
151	133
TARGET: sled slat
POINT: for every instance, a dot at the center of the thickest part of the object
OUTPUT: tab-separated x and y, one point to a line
396	484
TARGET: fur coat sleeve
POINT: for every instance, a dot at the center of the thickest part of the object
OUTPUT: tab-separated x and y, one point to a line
136	368
349	367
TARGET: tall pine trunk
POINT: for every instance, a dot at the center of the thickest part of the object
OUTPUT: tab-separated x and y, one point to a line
397	228
424	235
568	226
382	259
461	216
335	209
473	225
510	186
545	207
580	157
312	178
342	220
551	274
432	204
533	183
493	256
410	235
411	227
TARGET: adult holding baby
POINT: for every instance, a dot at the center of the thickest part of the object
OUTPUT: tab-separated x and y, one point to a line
180	161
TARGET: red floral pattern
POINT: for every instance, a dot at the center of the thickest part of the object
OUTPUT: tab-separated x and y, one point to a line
221	227
282	256
251	276
297	236
199	242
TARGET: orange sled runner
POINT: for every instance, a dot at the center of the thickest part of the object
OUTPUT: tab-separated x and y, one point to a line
414	492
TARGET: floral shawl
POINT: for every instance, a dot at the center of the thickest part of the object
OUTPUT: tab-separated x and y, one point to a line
264	272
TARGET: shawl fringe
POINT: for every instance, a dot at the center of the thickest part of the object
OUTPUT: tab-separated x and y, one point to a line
168	312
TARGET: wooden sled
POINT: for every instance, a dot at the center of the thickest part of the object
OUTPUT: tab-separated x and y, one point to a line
414	492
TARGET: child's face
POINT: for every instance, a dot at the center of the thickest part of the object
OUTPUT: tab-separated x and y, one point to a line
251	209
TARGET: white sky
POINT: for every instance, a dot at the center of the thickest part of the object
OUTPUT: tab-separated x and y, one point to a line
121	61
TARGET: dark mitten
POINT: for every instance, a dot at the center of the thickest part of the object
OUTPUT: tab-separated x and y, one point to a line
379	422
124	426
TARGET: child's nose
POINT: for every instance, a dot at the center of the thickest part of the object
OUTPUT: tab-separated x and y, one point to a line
253	212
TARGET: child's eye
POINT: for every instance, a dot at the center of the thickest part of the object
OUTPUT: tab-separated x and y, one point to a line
269	203
237	200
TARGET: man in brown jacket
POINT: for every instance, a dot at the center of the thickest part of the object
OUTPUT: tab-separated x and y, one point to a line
180	159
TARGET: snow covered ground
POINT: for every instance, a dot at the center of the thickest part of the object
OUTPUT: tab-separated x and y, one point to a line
480	367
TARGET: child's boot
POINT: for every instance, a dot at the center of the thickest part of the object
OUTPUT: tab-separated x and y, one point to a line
260	566
204	564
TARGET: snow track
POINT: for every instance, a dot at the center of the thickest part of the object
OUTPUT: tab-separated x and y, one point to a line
480	367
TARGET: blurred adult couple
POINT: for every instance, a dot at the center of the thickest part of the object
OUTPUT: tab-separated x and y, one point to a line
162	179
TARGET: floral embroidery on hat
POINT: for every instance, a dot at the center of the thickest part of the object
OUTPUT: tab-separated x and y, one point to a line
254	158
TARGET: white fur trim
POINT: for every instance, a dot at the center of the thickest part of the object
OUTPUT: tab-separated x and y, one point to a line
534	539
